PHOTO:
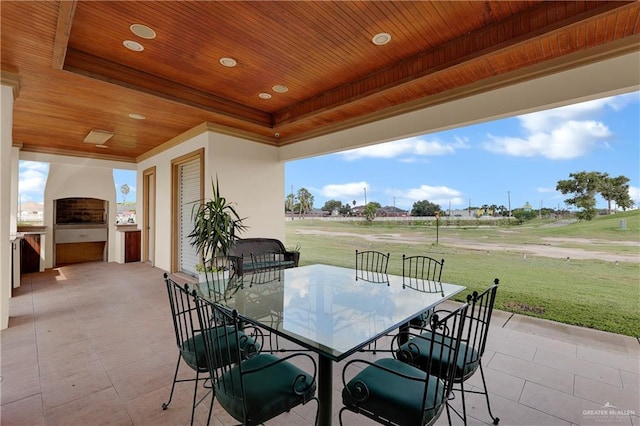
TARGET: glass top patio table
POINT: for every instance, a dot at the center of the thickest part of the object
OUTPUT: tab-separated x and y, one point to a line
327	309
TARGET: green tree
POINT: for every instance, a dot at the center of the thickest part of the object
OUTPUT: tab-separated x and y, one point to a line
424	208
616	189
332	205
289	203
584	186
370	211
125	191
306	201
345	210
523	215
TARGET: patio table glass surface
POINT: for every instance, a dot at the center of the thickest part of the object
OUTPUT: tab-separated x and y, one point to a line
330	310
325	308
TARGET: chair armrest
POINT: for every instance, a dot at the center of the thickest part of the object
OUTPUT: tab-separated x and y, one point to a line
293	256
237	264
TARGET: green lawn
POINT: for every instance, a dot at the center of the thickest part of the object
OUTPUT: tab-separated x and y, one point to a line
600	294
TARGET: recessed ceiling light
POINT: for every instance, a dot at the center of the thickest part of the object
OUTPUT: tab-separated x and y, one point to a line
264	96
381	38
97	137
228	62
133	45
280	88
143	31
102	146
137	116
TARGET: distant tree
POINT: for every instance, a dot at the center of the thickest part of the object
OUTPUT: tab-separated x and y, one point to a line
424	208
125	191
331	205
345	210
616	189
306	201
585	185
370	211
289	203
502	211
523	215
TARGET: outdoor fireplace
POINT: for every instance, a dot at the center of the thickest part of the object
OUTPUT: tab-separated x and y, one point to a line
80	231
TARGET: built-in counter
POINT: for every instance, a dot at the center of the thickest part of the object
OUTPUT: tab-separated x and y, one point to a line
128	243
27	251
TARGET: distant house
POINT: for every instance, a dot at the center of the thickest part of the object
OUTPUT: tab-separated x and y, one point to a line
391	211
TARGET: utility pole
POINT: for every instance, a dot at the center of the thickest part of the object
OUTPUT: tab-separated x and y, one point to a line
365	196
509	201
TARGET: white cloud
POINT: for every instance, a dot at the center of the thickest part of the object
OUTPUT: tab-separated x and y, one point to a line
441	195
543	190
344	190
571	139
32	180
561	133
634	194
406	149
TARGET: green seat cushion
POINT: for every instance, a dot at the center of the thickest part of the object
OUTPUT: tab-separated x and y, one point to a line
268	392
193	351
393	397
250	266
419	347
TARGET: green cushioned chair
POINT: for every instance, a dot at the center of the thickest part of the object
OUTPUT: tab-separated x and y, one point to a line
190	341
193	348
420	346
261	386
429	350
391	391
424	274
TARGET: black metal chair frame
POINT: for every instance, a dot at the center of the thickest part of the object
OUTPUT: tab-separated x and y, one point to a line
450	326
422	273
473	342
186	327
370	263
475	339
371	266
232	345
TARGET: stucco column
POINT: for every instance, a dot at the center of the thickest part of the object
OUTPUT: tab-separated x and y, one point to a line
8	180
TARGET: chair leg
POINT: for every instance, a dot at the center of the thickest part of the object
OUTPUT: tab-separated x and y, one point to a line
496	420
195	396
464	403
165	405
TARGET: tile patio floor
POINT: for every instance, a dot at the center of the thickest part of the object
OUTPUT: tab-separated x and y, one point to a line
92	344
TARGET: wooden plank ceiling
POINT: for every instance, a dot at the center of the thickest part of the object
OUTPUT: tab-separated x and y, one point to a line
75	74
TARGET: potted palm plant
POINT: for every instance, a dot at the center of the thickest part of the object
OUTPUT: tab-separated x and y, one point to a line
216	226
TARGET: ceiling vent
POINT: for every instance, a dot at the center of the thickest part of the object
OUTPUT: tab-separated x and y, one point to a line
98	137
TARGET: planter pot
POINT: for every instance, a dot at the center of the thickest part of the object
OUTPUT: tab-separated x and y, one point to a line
215	281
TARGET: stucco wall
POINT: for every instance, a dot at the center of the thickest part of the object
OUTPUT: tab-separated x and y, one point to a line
249	175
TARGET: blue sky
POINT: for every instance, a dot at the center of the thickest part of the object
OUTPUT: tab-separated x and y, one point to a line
520	158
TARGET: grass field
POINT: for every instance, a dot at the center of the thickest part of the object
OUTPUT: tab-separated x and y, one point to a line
589	274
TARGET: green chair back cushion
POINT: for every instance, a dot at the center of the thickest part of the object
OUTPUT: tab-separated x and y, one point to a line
193	351
466	361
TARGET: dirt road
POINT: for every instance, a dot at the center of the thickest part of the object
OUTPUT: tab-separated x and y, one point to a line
548	247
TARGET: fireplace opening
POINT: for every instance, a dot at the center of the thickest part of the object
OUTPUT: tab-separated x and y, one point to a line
80	230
